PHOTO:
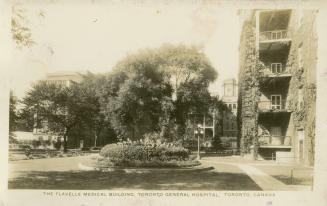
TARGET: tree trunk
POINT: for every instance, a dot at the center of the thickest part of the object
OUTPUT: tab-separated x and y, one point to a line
65	142
95	139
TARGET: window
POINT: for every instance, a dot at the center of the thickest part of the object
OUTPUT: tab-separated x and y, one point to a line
276	101
230	106
276	68
234	106
276	131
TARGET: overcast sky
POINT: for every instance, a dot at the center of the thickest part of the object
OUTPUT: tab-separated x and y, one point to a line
78	37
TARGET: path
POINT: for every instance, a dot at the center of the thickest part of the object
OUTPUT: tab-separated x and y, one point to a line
50	164
262	179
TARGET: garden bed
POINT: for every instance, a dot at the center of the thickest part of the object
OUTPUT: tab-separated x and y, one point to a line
97	162
142	155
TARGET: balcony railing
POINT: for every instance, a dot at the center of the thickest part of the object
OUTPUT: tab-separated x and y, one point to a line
274	140
276	69
274	35
270	106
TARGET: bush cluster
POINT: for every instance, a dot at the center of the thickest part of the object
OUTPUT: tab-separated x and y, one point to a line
143	151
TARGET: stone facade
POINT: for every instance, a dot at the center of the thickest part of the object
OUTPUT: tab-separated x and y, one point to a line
277	84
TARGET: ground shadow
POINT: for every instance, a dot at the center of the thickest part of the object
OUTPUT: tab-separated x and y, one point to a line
154	180
306	181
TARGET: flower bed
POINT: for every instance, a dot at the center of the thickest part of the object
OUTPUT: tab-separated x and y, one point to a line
145	154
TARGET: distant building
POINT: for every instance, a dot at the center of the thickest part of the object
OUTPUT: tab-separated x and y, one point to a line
277	84
42	132
65	78
229	115
230	94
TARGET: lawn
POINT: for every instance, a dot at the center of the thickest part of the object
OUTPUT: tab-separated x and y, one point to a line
151	180
64	174
301	175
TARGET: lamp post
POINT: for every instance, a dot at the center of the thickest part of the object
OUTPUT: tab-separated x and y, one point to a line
198	132
61	144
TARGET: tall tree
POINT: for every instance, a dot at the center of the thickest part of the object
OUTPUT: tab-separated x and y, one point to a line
54	104
186	64
139	93
190	73
92	115
13	117
73	112
138	89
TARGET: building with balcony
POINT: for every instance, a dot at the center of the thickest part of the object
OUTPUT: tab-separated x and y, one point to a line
277	84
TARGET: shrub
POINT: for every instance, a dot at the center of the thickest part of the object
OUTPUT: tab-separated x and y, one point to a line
217	144
143	151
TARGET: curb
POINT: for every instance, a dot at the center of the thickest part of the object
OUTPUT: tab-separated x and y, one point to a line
133	169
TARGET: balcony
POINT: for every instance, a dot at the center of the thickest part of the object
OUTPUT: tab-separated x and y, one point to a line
275	35
276	40
277	70
269	106
273	141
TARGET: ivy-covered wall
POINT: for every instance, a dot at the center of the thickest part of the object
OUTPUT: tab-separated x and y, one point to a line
249	93
302	91
301	94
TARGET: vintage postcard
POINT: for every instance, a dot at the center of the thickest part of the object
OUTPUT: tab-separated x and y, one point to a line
163	103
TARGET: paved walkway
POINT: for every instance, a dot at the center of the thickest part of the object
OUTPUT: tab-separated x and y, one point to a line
263	180
53	164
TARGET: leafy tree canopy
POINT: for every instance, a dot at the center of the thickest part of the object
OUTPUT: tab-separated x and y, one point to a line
13	117
141	88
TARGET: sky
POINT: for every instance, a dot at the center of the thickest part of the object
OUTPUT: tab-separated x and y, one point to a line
94	37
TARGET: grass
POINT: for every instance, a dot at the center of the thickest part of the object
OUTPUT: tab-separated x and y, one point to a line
301	175
64	173
151	180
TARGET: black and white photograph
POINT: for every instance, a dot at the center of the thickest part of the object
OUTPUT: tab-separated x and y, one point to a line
173	96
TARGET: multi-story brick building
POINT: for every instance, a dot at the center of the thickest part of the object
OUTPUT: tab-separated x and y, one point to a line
277	84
